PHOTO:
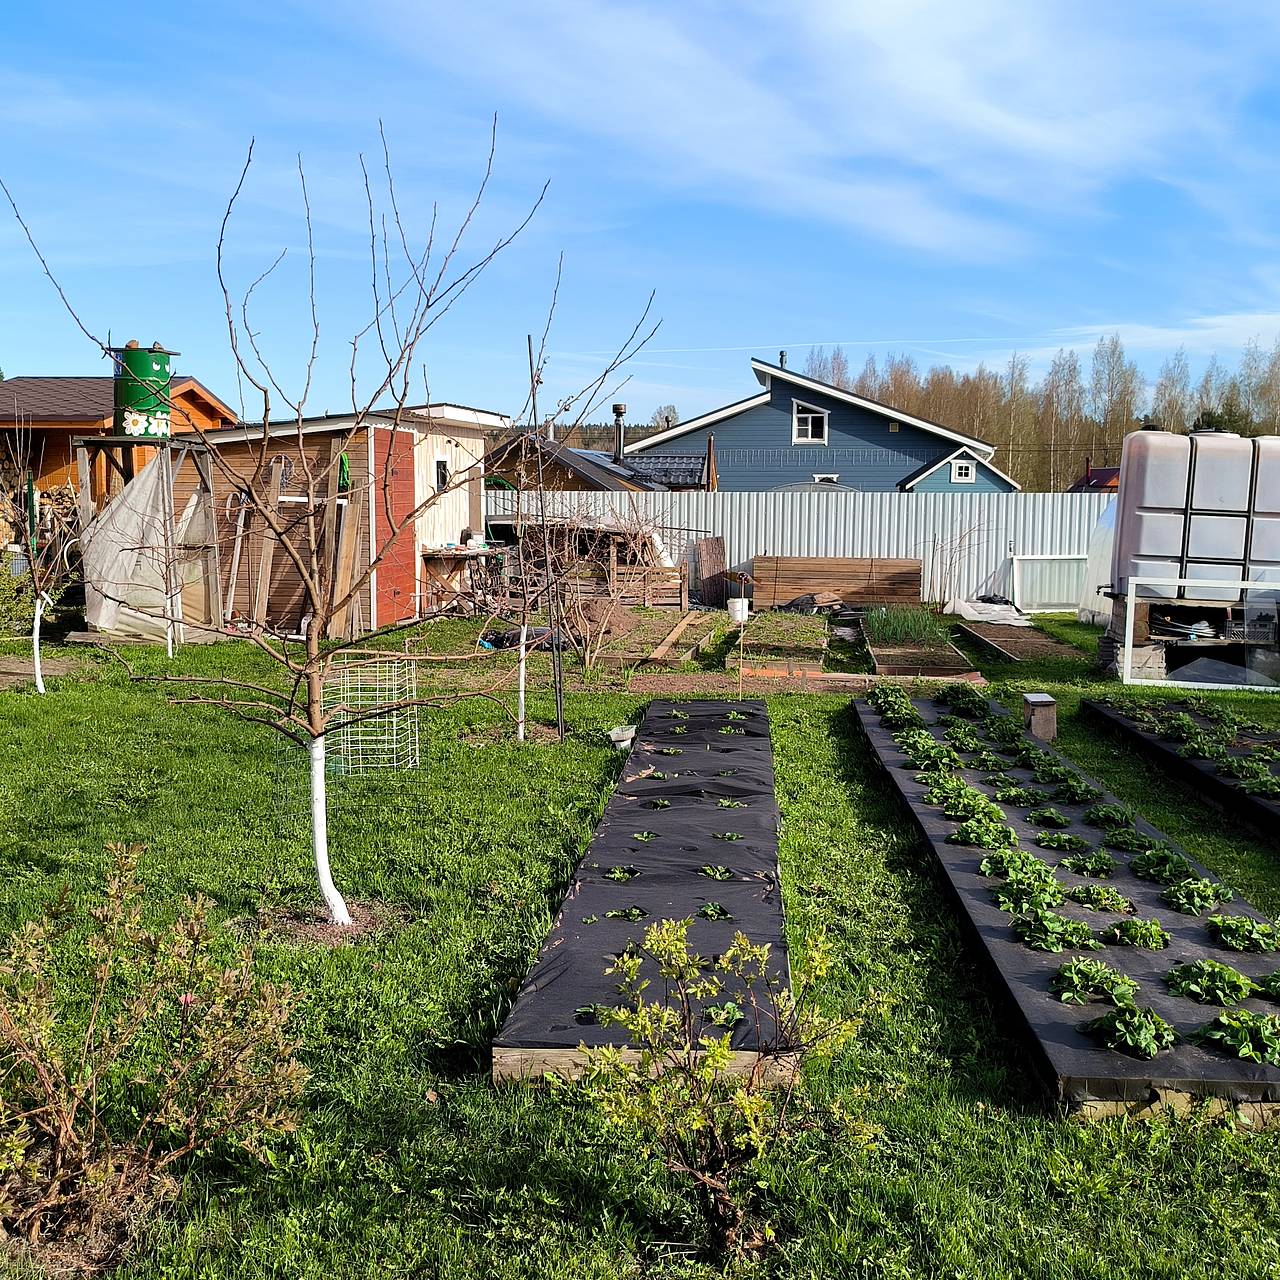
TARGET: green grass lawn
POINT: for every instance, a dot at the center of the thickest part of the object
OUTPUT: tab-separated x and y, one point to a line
937	1157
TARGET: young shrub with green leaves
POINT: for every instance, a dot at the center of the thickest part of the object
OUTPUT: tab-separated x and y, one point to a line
1209	982
1085	980
1097	863
1048	931
1243	933
1139	1032
1194	895
113	1075
1147	935
679	1098
1253	1037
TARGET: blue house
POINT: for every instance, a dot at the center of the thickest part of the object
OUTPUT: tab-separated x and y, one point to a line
801	433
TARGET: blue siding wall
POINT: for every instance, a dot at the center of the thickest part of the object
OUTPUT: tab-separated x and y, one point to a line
754	449
986	482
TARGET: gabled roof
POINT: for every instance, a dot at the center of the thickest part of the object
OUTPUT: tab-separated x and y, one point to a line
90	398
594	466
766	373
679	470
964	451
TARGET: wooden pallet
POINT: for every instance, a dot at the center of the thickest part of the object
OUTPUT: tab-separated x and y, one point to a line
856	580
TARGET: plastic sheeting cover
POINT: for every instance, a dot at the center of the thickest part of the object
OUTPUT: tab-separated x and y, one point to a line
1094	607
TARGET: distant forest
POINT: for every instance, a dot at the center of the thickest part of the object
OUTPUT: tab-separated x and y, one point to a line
1044	431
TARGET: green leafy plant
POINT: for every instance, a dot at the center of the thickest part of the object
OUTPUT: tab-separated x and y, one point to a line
1048	769
897	624
644	836
1061	840
626	913
1111	817
1076	791
1146	934
1003	729
724	802
1270	985
1048	931
728	835
1254	1037
660	804
714	911
891	703
1139	1032
1209	982
963	737
984	832
1243	933
671	751
1028	888
1048	817
1162	865
1096	863
987	760
1085	980
1003	862
621	874
673	1089
964	699
1194	895
715	872
1101	897
1018	796
158	1053
1129	840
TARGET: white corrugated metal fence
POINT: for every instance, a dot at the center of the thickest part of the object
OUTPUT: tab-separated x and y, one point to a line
964	540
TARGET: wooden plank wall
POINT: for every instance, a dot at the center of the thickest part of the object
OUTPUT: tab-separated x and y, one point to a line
856	580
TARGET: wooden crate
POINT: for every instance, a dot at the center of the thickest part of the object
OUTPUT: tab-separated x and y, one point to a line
856	580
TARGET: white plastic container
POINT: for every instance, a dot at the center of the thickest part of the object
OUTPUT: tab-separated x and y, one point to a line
1203	506
739	609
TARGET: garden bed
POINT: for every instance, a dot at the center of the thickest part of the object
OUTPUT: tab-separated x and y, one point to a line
1016	644
777	641
918	660
699	772
1080	1071
1174	734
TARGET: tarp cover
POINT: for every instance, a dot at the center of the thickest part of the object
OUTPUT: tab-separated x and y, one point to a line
693	755
1077	1066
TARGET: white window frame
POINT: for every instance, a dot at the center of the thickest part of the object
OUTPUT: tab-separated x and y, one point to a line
957	464
797	408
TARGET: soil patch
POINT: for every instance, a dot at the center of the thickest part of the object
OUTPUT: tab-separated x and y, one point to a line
1017	644
311	926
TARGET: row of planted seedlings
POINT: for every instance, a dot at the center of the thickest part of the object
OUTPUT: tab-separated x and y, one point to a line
690	833
1231	760
1100	880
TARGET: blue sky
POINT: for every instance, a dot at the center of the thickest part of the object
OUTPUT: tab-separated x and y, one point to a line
954	180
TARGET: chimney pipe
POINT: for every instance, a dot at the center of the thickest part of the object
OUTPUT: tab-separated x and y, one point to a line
782	359
619	433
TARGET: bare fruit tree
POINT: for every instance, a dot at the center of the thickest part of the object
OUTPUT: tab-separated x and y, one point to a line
413	284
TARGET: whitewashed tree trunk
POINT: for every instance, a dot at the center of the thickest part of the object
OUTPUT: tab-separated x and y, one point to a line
524	664
320	835
35	641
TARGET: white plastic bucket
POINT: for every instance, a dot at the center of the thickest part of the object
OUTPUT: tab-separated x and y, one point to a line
739	607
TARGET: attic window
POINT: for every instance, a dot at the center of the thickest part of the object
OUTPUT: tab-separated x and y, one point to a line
893	426
963	472
808	424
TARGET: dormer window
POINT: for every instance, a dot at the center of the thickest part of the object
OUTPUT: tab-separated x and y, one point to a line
963	472
808	424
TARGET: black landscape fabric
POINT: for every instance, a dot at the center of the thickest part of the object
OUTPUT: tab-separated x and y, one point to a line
697	791
1202	776
1076	1066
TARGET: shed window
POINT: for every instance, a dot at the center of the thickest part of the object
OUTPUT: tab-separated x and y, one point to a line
963	473
828	477
442	475
808	424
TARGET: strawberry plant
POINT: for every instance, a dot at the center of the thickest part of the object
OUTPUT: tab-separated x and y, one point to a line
1148	935
1050	769
728	835
1047	816
971	803
1129	840
715	872
984	832
999	780
963	737
964	700
621	874
1062	840
659	804
894	708
1003	729
1005	862
1192	896
1139	1032
1270	985
1048	931
1110	817
724	802
988	760
1080	981
728	1014
1101	897
1209	982
714	911
1162	865
1030	887
626	913
644	836
1076	790
1018	797
1097	864
1254	1037
1243	933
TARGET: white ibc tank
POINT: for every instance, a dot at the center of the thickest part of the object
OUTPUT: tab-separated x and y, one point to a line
1204	506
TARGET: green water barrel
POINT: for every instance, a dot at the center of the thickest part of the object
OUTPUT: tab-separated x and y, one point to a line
142	391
